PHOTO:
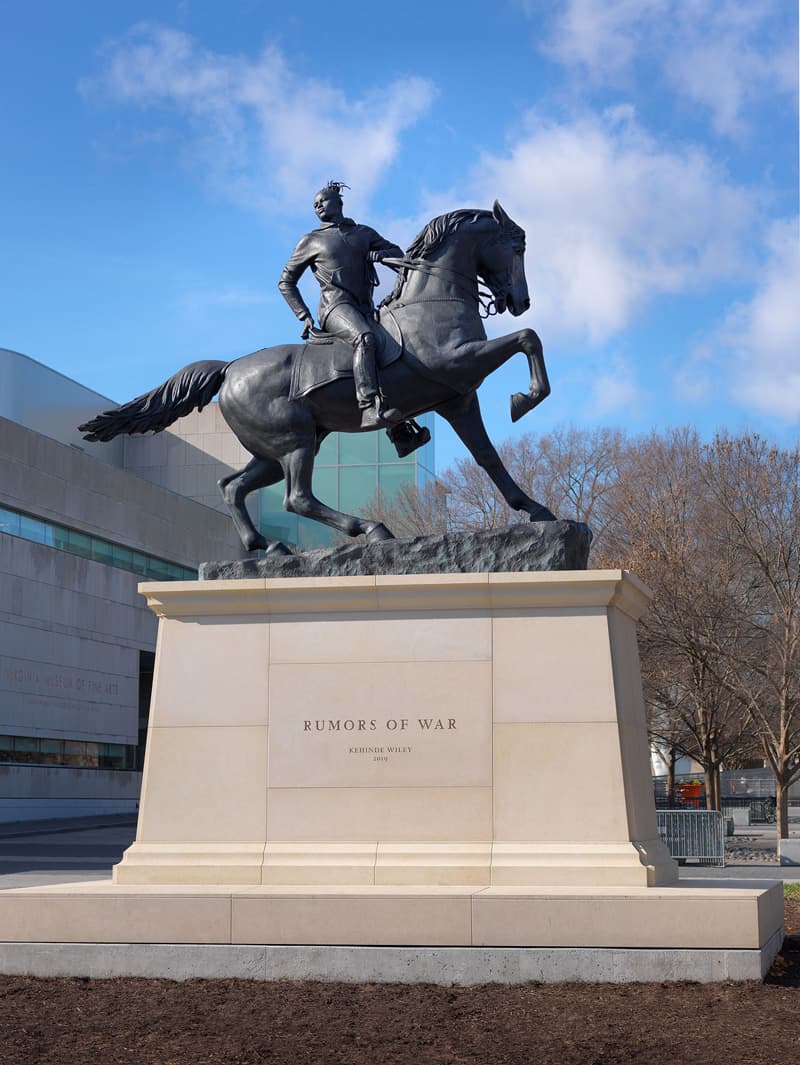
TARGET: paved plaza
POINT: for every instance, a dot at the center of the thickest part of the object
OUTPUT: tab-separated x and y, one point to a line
58	852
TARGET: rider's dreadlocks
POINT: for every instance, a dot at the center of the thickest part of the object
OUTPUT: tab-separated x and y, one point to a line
336	187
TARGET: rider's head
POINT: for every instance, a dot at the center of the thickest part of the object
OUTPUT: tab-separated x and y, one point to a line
328	201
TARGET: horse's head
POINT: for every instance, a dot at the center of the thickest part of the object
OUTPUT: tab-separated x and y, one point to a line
453	244
501	263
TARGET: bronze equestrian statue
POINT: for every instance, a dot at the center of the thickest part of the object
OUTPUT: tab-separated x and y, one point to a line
431	352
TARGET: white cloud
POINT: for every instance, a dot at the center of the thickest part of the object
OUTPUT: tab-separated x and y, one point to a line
262	133
753	355
616	392
760	340
725	55
601	38
614	219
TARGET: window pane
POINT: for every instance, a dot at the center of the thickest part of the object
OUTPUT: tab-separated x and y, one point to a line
392	478
355	448
274	522
9	522
270	506
33	529
60	538
102	552
112	756
272	497
312	534
80	544
26	743
138	563
285	531
357	487
329	451
157	570
32	749
325	482
122	556
387	451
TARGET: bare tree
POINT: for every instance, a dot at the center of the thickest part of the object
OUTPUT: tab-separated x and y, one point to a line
576	472
414	510
662	529
570	470
755	489
663	700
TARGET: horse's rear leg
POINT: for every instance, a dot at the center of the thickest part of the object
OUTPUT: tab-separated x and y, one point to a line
298	467
258	473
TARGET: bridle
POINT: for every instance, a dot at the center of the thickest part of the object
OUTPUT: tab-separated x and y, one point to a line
476	290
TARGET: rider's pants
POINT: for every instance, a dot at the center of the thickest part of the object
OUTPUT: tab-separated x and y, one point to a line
348	323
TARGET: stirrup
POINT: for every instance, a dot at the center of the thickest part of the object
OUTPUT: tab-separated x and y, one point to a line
407	436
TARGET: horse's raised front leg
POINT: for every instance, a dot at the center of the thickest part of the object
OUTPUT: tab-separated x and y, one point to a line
258	473
298	467
493	353
464	414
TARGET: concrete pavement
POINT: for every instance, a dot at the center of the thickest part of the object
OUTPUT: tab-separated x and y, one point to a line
56	852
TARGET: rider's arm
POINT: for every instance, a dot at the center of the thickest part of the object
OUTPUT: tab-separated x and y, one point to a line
292	272
380	249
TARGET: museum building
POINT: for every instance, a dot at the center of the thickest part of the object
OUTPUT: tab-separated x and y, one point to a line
81	525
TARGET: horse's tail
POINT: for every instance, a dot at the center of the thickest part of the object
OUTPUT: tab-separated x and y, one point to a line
189	389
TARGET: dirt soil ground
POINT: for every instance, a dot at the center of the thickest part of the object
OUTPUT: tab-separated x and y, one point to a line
237	1022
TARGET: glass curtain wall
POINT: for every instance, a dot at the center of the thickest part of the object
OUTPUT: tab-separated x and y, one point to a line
349	472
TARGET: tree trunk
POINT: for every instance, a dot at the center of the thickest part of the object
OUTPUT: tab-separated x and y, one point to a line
781	807
711	774
673	757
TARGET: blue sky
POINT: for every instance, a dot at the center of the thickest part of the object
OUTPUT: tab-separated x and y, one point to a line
159	163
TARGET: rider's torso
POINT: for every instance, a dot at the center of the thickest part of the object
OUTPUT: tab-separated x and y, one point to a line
339	259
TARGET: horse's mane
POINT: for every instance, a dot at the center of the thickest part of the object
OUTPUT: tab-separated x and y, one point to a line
440	228
436	232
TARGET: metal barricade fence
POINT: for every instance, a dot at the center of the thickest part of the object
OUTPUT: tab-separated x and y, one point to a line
762	810
695	835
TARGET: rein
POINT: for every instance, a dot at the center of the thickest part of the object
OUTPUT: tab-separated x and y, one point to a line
481	294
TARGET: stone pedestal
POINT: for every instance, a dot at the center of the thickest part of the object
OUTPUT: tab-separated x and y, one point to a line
473	729
439	778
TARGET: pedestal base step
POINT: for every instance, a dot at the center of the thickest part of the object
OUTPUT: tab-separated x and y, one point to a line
395	965
357	865
463	933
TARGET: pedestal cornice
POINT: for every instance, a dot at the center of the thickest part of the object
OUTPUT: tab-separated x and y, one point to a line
391	593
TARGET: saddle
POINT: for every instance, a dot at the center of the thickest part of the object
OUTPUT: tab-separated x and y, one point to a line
323	358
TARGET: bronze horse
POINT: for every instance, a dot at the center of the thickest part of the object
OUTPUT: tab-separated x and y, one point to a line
433	325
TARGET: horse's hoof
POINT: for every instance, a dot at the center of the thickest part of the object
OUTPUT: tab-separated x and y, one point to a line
377	531
521	404
255	543
278	548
